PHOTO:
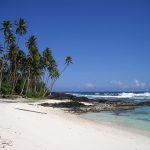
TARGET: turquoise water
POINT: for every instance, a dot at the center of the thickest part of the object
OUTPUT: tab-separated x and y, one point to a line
136	119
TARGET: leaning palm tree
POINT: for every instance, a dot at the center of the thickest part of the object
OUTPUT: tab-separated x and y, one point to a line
68	61
54	73
21	28
54	76
50	68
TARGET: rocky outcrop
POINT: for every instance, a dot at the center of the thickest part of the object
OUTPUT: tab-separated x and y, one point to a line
76	105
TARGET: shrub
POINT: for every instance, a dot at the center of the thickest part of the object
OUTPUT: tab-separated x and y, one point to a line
6	88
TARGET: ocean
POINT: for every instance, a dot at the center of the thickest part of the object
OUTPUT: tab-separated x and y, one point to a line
138	118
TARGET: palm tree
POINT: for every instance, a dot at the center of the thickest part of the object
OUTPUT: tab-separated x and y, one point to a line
21	70
50	69
24	70
21	28
34	61
25	73
7	27
54	76
13	55
31	43
1	69
10	39
29	74
68	61
54	73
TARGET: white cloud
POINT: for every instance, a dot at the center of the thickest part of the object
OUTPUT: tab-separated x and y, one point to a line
139	84
89	85
116	83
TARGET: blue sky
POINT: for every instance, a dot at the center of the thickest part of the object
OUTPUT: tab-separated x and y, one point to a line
109	40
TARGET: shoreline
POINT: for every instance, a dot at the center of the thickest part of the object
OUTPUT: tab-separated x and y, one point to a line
63	113
119	127
58	129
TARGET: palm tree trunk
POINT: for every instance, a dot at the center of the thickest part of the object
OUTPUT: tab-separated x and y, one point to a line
18	40
14	77
15	82
1	75
28	82
47	80
50	87
13	87
53	82
23	86
34	88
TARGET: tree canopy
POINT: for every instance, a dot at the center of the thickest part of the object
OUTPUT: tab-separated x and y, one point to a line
31	74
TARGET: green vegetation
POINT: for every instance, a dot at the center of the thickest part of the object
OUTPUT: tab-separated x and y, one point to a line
32	74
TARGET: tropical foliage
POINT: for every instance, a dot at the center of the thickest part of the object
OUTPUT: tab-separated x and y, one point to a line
28	72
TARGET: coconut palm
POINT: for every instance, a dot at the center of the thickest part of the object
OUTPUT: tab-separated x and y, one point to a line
68	60
29	61
21	70
1	69
31	43
56	74
7	27
50	68
23	74
34	63
21	28
10	39
13	55
24	71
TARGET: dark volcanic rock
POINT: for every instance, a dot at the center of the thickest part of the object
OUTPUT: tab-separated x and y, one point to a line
71	104
63	96
97	105
147	103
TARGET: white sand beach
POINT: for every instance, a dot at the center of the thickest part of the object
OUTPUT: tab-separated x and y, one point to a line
54	129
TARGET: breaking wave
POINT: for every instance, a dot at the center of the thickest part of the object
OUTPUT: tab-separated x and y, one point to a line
144	95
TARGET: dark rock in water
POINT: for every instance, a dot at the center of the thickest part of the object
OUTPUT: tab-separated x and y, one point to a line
97	105
64	96
70	104
146	103
60	96
45	104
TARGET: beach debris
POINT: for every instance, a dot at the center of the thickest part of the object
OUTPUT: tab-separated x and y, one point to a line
31	111
5	142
